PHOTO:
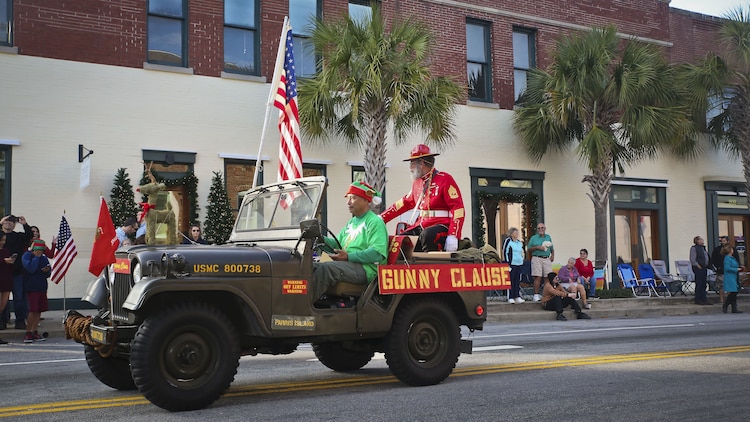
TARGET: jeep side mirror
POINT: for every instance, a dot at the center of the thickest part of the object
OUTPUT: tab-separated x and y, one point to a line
310	228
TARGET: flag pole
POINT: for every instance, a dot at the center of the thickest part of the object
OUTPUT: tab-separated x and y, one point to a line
274	86
65	285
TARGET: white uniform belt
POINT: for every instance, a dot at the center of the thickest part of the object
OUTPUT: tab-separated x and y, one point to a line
437	213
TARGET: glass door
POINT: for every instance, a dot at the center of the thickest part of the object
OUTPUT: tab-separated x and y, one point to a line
735	227
636	236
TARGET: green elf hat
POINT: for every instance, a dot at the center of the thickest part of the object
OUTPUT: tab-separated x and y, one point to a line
38	245
366	191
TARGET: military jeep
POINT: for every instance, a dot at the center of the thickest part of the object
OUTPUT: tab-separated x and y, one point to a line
174	320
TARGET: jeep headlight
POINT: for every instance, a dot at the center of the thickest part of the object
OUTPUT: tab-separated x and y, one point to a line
137	272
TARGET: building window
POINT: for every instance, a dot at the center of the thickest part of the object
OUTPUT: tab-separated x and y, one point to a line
6	20
239	179
718	104
478	60
524	59
301	15
167	39
360	10
5	152
241	36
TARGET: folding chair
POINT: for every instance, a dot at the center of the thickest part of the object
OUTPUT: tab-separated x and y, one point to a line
673	281
685	270
646	272
527	282
640	288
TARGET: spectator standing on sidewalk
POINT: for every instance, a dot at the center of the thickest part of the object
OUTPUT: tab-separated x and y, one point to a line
6	281
128	228
512	253
717	261
542	255
36	234
699	261
732	269
17	243
37	268
555	298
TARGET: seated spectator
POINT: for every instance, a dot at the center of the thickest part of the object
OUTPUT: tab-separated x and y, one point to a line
586	269
572	282
555	298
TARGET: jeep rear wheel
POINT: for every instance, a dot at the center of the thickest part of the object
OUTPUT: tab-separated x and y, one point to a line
185	357
113	372
336	357
423	345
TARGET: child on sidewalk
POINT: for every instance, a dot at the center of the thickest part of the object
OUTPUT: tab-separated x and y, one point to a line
37	269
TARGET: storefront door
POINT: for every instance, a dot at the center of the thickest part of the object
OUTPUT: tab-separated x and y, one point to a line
735	226
636	236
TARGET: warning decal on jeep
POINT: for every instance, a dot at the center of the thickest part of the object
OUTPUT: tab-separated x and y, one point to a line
426	278
294	287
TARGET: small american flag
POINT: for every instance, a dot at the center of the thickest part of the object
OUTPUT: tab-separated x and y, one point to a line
64	253
290	152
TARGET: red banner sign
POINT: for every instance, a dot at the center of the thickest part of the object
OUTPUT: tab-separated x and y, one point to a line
427	278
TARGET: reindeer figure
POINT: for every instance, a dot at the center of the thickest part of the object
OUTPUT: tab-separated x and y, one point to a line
157	217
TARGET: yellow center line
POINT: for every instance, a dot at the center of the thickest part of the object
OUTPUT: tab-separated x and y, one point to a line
284	387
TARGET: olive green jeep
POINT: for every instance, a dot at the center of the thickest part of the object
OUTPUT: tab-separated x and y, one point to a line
173	321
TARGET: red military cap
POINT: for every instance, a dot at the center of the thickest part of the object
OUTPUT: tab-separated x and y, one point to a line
420	151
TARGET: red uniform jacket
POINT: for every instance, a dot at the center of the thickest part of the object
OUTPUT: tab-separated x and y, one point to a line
440	204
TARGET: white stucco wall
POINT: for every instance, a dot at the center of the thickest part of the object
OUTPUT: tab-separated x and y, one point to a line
51	106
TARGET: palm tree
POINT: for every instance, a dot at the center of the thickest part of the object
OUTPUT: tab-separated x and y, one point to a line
613	100
721	86
371	78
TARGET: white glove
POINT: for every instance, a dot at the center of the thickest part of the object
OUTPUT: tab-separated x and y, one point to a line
451	243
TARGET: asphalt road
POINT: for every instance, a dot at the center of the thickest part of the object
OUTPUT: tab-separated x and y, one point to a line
692	368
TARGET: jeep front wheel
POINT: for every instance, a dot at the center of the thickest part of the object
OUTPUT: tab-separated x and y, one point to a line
423	344
336	357
185	357
111	371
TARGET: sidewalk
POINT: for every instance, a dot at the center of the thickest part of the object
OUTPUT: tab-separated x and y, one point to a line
501	311
497	311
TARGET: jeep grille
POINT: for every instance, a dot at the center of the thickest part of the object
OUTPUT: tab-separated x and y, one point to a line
120	290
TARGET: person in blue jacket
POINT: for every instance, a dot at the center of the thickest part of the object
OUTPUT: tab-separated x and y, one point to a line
732	269
37	270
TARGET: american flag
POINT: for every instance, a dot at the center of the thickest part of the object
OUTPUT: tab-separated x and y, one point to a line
290	153
64	253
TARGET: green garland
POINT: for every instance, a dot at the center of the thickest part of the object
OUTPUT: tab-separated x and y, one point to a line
530	208
190	181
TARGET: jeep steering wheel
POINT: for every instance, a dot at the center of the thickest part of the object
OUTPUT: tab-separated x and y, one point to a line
319	243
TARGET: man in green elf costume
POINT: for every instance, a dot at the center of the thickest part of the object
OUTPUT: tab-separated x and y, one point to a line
363	244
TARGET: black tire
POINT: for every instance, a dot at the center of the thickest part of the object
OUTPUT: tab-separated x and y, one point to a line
112	371
185	357
423	344
340	359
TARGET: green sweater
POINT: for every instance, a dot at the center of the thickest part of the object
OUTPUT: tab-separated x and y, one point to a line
365	240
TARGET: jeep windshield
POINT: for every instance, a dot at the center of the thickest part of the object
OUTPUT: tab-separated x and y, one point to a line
278	207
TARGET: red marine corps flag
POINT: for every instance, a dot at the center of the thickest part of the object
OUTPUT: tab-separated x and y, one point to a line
105	241
290	152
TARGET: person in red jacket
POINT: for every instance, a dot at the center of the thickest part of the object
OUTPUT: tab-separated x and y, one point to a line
436	202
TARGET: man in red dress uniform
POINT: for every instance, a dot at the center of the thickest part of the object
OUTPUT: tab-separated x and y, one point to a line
435	200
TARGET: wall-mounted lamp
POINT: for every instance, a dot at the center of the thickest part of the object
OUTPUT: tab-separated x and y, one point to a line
81	156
